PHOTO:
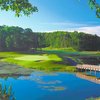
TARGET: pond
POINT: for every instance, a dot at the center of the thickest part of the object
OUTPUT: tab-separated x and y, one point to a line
52	86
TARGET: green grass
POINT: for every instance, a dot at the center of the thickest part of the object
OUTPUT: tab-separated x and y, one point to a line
93	98
42	57
70	49
48	62
73	53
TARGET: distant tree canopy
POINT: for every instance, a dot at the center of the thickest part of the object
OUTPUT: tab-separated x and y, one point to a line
95	5
19	39
18	6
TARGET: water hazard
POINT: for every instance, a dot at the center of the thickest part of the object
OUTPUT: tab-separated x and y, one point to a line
52	86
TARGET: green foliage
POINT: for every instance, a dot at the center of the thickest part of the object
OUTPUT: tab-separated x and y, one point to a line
95	5
19	39
18	6
24	7
89	42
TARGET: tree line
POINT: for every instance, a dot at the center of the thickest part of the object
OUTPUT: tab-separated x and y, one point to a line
19	39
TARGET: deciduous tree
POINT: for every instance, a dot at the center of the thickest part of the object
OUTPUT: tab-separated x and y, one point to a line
18	6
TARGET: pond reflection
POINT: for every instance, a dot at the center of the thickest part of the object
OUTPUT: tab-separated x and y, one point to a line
88	77
52	86
45	83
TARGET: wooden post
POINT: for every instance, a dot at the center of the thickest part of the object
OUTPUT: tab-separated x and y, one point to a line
85	70
90	71
95	72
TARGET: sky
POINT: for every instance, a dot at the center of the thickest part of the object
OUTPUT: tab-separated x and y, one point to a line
56	15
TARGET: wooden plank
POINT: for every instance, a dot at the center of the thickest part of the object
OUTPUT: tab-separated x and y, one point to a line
88	67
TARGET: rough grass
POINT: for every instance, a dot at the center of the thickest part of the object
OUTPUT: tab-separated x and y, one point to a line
48	62
73	53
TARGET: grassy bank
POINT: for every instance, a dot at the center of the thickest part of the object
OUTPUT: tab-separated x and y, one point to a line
93	98
48	62
47	59
71	51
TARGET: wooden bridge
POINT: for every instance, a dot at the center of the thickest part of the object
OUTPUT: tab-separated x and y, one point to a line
88	67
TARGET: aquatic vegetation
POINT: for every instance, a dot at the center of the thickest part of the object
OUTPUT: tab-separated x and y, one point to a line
6	93
93	98
53	88
12	70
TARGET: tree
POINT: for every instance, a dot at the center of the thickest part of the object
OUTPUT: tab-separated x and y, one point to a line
19	39
94	5
24	7
18	6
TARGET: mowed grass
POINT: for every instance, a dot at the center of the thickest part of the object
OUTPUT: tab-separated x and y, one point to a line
32	58
48	62
39	58
73	53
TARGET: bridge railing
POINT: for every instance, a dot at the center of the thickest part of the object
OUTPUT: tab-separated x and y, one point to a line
89	67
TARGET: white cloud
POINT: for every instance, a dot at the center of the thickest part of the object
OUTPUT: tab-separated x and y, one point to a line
90	30
67	24
73	26
82	28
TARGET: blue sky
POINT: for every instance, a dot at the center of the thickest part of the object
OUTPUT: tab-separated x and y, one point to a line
67	15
